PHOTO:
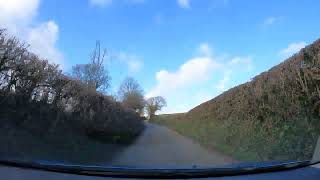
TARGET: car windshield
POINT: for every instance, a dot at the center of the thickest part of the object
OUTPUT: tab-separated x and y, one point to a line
170	84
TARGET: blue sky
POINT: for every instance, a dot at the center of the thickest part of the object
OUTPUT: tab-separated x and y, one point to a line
188	51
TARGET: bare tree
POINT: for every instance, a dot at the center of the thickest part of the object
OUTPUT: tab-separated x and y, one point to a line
155	104
131	95
94	74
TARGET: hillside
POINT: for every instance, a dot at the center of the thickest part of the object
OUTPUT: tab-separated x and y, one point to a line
275	116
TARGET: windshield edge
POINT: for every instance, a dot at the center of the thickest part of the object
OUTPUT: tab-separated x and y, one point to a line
156	173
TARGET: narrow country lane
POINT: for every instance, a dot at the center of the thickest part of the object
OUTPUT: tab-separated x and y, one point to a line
160	147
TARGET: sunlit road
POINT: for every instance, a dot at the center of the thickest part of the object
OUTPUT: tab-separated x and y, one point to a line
161	147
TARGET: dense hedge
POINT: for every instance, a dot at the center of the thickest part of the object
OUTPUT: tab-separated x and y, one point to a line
276	116
36	96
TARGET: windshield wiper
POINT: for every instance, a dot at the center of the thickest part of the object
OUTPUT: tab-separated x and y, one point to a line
156	173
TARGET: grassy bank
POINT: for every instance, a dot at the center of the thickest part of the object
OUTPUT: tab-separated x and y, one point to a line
207	134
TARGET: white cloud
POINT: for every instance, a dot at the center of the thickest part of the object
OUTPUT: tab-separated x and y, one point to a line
100	3
18	18
17	10
133	62
292	49
43	39
184	3
204	50
222	84
197	80
269	21
192	72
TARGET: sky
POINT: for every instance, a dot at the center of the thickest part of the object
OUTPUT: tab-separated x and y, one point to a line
188	51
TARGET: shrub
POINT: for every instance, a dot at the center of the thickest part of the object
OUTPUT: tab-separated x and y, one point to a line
36	95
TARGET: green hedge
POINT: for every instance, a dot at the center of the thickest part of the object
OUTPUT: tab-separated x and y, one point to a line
275	116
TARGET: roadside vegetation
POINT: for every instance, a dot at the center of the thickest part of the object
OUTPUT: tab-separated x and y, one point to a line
275	116
131	95
73	114
154	104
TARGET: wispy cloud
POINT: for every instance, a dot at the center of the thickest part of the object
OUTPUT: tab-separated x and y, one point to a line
136	1
105	3
204	50
292	49
184	3
213	4
270	21
100	3
133	62
222	84
159	18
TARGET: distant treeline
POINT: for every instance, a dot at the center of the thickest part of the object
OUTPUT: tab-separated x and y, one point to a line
275	116
36	96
